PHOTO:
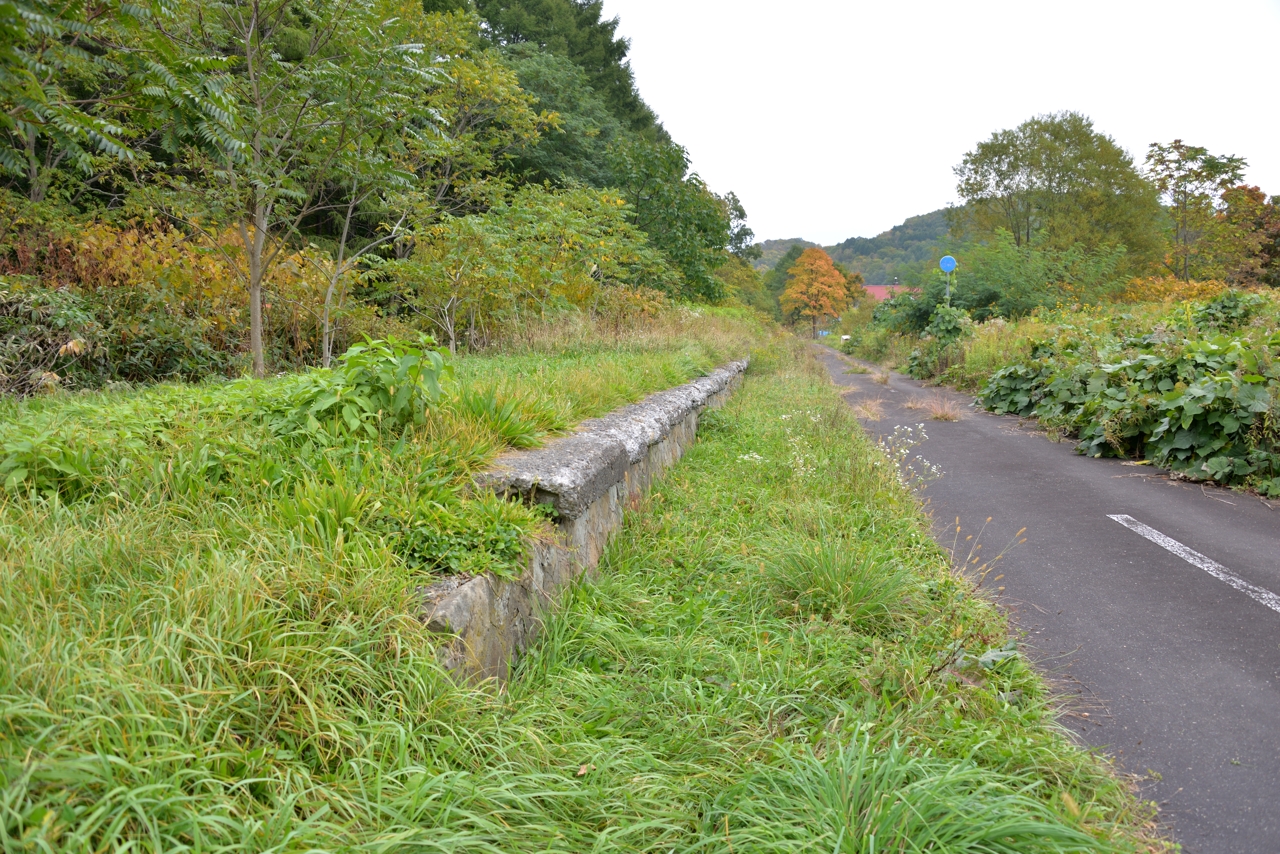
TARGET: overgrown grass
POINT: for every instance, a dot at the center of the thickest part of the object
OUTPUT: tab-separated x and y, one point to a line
776	657
260	445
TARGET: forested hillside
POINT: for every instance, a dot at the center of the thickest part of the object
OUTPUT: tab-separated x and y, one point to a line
898	252
771	251
882	258
192	188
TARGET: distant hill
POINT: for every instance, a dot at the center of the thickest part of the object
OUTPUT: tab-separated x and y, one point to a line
774	249
880	258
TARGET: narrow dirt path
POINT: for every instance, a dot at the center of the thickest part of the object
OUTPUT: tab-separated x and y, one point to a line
1156	602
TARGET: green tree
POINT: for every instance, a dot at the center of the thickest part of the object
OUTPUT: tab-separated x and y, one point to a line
321	92
537	252
476	119
741	238
999	278
743	283
853	283
674	207
576	147
575	29
1191	181
83	84
1055	181
775	281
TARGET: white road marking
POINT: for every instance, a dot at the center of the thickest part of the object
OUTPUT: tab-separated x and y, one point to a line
1217	570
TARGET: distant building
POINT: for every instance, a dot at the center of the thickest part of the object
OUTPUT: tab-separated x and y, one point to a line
880	293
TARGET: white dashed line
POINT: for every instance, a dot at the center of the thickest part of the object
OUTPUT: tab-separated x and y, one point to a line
1217	570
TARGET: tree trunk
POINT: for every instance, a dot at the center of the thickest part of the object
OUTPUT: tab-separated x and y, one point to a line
255	326
326	336
449	322
37	185
256	250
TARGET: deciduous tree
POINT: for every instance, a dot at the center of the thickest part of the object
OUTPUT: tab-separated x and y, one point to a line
816	290
1055	181
479	117
1245	240
83	84
575	149
674	207
321	93
577	29
1191	181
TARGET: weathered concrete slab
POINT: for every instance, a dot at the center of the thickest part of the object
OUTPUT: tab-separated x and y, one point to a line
589	477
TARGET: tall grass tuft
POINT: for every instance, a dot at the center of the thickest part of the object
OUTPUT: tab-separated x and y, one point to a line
862	799
518	418
850	582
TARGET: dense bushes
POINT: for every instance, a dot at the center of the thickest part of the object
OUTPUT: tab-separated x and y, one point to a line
142	303
55	338
1001	279
1193	387
1206	407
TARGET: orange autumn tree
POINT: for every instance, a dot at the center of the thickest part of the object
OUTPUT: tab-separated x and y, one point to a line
817	289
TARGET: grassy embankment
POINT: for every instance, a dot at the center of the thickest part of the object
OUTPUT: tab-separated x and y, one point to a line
1191	385
776	656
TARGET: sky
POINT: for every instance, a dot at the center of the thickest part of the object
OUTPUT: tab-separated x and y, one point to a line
840	119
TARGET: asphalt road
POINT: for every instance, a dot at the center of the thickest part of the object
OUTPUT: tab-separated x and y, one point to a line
1173	656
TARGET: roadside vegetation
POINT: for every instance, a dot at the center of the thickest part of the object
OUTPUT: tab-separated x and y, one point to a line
1188	385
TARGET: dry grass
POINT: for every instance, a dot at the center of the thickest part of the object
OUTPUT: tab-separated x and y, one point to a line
937	406
868	410
882	377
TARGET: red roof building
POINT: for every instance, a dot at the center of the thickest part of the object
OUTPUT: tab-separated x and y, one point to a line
880	293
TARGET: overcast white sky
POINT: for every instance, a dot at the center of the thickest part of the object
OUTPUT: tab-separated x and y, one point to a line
839	119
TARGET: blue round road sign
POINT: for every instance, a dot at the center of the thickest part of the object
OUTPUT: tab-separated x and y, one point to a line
947	263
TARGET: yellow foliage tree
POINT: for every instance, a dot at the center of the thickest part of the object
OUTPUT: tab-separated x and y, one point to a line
816	290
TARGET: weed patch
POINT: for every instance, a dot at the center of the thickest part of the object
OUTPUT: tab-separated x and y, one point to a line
1178	392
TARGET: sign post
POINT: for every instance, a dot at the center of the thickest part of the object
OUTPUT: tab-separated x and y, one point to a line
948	265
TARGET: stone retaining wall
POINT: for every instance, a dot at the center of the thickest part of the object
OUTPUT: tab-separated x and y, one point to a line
588	478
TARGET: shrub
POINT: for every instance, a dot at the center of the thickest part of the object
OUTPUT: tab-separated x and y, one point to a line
1168	289
949	324
1203	406
377	384
47	338
1229	311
